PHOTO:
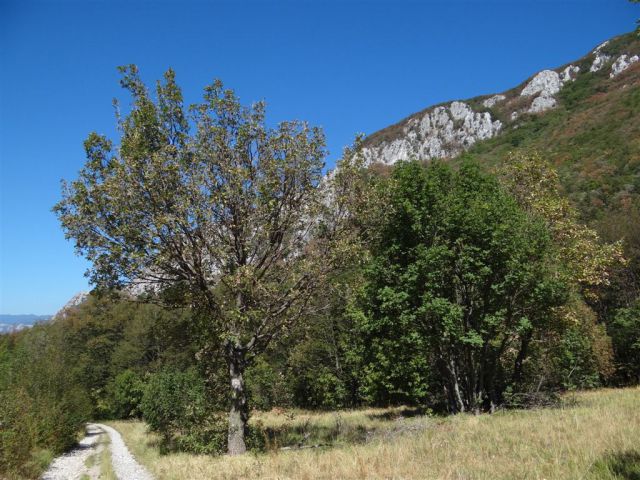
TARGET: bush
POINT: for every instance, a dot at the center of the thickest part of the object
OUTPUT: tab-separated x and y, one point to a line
175	404
126	392
173	401
625	334
267	386
583	356
320	389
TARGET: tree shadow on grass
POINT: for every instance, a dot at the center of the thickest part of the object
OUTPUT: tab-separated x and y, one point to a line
618	466
395	414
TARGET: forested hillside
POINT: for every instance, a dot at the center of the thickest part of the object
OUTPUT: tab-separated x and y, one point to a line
586	123
589	129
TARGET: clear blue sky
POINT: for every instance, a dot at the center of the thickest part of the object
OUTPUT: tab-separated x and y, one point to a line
347	66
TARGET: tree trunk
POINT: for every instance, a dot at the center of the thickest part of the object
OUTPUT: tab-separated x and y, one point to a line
238	415
456	386
522	354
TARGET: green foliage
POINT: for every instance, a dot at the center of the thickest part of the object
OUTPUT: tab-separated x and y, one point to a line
588	261
267	385
126	392
583	87
324	356
460	278
618	465
108	335
176	405
89	364
42	404
319	388
625	334
578	359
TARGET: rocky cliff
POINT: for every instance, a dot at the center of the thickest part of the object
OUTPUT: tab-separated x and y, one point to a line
446	130
73	302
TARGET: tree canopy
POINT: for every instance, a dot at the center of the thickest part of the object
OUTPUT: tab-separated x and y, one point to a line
210	208
461	279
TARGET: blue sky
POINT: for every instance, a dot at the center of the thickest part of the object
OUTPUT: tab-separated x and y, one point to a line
350	66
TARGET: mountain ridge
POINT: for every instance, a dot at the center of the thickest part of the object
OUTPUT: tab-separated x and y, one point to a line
447	129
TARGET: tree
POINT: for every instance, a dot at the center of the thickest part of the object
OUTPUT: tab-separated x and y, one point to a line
459	277
589	264
214	211
535	185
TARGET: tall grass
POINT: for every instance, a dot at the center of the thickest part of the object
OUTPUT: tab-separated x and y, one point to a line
596	435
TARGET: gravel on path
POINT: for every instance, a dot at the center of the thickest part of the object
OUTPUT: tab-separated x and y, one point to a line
72	465
124	465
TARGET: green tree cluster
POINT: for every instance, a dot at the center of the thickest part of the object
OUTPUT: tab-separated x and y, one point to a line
43	403
461	281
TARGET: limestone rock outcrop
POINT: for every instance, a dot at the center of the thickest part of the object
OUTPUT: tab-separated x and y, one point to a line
491	101
623	62
600	59
445	131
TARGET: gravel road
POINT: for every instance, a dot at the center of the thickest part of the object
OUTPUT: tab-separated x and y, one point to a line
74	465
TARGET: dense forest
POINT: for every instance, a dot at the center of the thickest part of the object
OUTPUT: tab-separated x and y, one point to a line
461	286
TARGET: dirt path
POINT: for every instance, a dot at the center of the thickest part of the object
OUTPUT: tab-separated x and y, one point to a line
83	462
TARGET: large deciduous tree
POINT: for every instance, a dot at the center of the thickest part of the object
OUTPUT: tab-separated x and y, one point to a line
210	208
589	263
460	276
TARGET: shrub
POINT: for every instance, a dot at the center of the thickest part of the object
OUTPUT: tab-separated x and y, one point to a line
175	404
267	386
173	401
625	334
126	392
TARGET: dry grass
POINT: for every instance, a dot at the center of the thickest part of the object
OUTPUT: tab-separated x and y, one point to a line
597	437
106	467
285	428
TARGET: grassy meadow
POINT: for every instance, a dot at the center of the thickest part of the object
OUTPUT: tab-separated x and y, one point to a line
593	435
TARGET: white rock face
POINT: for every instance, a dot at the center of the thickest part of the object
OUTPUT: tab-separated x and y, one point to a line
600	47
545	83
76	300
440	133
491	101
600	58
542	103
569	73
621	64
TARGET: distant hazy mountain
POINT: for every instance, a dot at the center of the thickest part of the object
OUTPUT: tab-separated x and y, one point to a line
11	323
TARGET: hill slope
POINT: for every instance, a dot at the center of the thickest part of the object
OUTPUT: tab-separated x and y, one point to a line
584	115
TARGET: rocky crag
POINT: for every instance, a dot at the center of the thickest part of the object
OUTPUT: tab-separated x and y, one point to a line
447	130
73	303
